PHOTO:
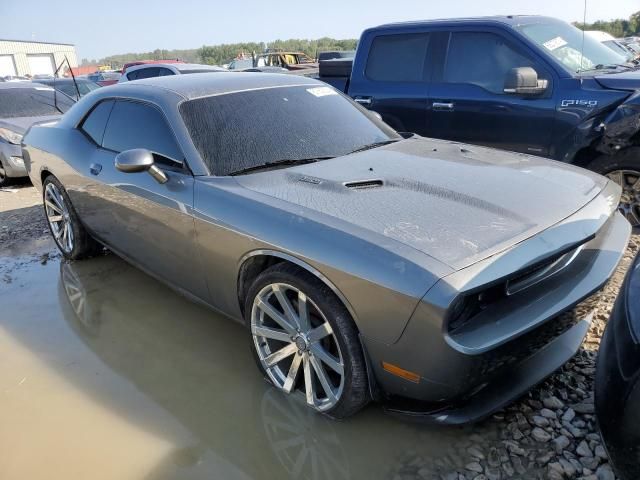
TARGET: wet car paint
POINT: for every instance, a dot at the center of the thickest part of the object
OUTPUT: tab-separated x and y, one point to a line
119	367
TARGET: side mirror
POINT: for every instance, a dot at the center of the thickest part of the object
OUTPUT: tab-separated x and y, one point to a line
139	160
524	81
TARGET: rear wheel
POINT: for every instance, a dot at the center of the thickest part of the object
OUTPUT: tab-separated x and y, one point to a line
305	341
69	234
624	169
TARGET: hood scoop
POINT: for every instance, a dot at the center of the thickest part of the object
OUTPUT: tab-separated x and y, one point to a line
362	184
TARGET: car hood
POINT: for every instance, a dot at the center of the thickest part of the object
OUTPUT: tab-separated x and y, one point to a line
629	80
21	124
456	203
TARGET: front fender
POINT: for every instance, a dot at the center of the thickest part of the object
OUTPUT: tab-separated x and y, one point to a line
620	128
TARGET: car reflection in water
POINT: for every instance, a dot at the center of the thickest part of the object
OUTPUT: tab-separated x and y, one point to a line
196	365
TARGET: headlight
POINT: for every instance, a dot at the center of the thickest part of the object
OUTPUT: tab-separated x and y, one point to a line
10	136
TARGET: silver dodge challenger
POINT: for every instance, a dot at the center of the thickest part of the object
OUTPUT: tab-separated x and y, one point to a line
366	264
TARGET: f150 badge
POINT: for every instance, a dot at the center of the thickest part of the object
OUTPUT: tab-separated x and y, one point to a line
578	103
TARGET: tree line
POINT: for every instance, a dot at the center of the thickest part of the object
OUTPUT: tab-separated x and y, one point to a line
221	54
618	27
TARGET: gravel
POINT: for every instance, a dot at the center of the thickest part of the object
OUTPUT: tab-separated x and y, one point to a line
550	433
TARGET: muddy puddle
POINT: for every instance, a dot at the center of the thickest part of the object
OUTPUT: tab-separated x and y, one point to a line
106	373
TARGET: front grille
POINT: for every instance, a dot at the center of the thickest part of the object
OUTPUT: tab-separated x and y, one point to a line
524	346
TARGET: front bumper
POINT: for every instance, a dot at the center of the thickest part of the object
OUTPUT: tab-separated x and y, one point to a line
467	373
11	158
508	385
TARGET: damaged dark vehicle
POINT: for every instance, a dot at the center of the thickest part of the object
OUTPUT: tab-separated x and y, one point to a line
528	84
426	274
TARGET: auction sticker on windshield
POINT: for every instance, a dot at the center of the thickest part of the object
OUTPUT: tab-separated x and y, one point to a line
321	91
555	43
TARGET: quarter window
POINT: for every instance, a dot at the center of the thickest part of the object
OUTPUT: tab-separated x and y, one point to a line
398	58
482	59
138	125
96	121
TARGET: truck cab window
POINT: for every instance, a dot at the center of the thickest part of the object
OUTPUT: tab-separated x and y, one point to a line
482	59
398	58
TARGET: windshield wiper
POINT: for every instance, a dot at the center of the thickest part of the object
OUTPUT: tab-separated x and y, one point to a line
609	66
369	146
280	163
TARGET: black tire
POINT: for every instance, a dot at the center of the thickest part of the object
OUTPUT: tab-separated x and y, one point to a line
355	392
627	165
84	245
4	180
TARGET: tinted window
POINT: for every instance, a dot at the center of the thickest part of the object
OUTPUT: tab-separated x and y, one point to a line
245	129
398	58
32	102
133	75
163	72
148	72
137	125
94	124
482	59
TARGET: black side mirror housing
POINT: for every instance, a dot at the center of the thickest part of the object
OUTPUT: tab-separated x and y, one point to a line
524	81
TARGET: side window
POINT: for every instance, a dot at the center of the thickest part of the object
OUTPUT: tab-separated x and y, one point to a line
96	121
482	59
147	72
133	75
163	72
398	58
138	125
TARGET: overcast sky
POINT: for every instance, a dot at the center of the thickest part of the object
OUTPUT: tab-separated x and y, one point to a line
106	27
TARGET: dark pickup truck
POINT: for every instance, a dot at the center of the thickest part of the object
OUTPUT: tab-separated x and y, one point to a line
528	84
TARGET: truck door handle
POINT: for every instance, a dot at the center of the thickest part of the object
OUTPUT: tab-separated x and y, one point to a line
443	106
95	168
363	100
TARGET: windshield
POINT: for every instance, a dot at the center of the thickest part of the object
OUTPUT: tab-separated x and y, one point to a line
619	49
241	130
241	64
31	102
564	42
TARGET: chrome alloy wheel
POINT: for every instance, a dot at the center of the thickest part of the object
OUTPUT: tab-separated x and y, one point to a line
58	217
297	346
629	206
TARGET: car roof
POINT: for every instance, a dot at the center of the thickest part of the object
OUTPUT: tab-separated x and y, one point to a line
219	83
24	84
504	19
174	66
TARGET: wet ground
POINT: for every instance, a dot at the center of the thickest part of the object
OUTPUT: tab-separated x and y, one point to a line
106	373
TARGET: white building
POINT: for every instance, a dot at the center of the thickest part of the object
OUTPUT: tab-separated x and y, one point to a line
22	57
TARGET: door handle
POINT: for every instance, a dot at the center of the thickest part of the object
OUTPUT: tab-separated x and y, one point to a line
443	106
95	168
363	100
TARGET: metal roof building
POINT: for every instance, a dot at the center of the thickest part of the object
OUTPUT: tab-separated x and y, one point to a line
23	57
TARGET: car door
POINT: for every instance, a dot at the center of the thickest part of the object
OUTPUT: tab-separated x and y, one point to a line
395	80
467	98
148	222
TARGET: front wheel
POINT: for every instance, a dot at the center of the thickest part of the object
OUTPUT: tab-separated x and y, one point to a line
305	341
69	234
624	169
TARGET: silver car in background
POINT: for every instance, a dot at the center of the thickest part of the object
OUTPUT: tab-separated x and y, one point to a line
149	70
366	264
21	105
